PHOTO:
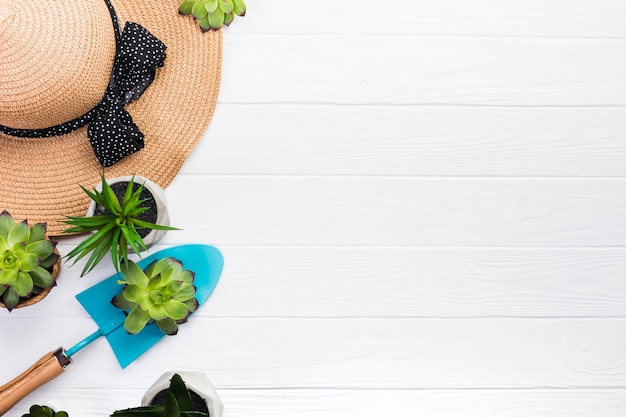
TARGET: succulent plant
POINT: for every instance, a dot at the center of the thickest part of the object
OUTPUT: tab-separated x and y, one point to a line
162	293
213	14
44	411
177	402
116	229
26	259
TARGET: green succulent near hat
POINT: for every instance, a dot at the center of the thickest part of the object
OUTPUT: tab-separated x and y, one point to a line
162	293
26	258
212	14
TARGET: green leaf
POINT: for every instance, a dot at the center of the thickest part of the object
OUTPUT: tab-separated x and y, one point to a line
136	320
129	191
6	223
239	7
157	312
204	23
185	292
191	304
148	225
170	405
122	303
185	7
137	294
41	277
99	249
111	201
20	232
42	248
228	19
145	411
210	5
8	277
168	326
28	262
23	284
49	261
133	274
187	276
37	232
180	392
226	6
198	10
175	309
10	298
216	19
4	246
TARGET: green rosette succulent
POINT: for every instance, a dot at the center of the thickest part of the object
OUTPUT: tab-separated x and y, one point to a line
44	411
213	14
163	293
26	259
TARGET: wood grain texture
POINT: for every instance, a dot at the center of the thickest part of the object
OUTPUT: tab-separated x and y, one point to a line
374	353
286	402
398	282
378	211
359	70
421	208
532	18
412	141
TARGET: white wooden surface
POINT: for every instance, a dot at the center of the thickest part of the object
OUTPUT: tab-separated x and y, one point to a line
422	208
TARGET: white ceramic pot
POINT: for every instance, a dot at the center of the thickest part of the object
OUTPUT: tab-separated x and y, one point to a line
195	381
158	194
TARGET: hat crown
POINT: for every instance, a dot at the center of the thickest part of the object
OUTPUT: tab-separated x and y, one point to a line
55	64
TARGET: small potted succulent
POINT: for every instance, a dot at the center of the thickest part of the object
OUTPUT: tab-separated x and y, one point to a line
29	262
125	212
163	294
182	394
212	14
44	411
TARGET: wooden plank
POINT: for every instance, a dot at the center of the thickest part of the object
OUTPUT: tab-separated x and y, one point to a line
378	211
401	282
417	70
288	402
412	140
532	18
347	353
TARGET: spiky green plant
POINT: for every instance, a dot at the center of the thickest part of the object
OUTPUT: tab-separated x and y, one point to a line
115	230
26	259
212	14
177	403
44	411
163	293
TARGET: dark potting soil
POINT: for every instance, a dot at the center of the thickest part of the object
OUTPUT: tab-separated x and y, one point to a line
150	215
197	402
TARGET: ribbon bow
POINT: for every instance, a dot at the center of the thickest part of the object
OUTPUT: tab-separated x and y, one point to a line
112	133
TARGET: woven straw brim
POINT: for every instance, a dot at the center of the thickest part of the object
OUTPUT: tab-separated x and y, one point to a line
40	178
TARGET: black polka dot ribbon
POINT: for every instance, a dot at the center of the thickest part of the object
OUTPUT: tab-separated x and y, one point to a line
112	133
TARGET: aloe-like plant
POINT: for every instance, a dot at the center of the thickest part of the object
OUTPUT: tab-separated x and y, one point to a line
213	14
44	411
162	293
177	402
26	260
115	230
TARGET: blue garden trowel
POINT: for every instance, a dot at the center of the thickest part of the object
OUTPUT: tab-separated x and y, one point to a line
205	261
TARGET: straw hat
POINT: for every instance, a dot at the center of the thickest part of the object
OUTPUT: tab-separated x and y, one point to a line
56	61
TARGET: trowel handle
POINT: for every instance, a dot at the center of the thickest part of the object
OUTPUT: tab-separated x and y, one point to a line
45	369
